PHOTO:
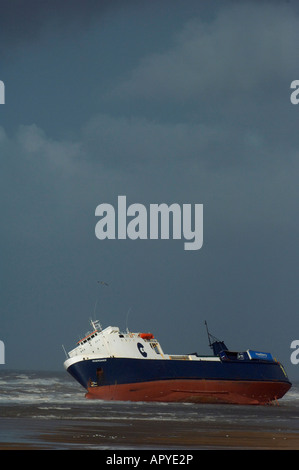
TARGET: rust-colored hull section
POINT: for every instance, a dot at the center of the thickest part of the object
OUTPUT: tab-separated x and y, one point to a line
194	391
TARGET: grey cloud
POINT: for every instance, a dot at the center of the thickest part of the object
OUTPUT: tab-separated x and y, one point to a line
238	54
142	143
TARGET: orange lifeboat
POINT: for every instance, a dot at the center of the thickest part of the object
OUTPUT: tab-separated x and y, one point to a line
146	336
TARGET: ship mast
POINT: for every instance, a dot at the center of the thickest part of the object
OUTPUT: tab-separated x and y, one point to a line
216	344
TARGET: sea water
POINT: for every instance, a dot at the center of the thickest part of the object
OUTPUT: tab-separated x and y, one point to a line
49	410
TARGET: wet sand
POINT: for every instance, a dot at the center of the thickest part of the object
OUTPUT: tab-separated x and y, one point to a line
39	434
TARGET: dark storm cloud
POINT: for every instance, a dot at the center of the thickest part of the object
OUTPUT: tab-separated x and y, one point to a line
203	117
24	19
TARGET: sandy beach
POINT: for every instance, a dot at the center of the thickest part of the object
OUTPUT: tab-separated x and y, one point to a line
55	434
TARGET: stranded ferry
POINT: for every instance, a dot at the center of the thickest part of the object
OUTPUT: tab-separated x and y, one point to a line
112	365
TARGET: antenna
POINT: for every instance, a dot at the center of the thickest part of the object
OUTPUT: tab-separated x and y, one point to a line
95	306
209	336
96	324
127	329
66	354
105	284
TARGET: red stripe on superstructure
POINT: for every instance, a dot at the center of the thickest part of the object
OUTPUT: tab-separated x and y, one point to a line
85	337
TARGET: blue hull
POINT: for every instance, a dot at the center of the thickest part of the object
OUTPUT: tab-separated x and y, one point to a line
223	379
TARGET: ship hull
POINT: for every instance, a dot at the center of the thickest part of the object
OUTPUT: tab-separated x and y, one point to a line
193	391
233	382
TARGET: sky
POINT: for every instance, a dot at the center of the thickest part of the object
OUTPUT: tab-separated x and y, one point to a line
183	102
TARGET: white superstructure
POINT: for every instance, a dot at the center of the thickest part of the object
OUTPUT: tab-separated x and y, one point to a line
110	342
